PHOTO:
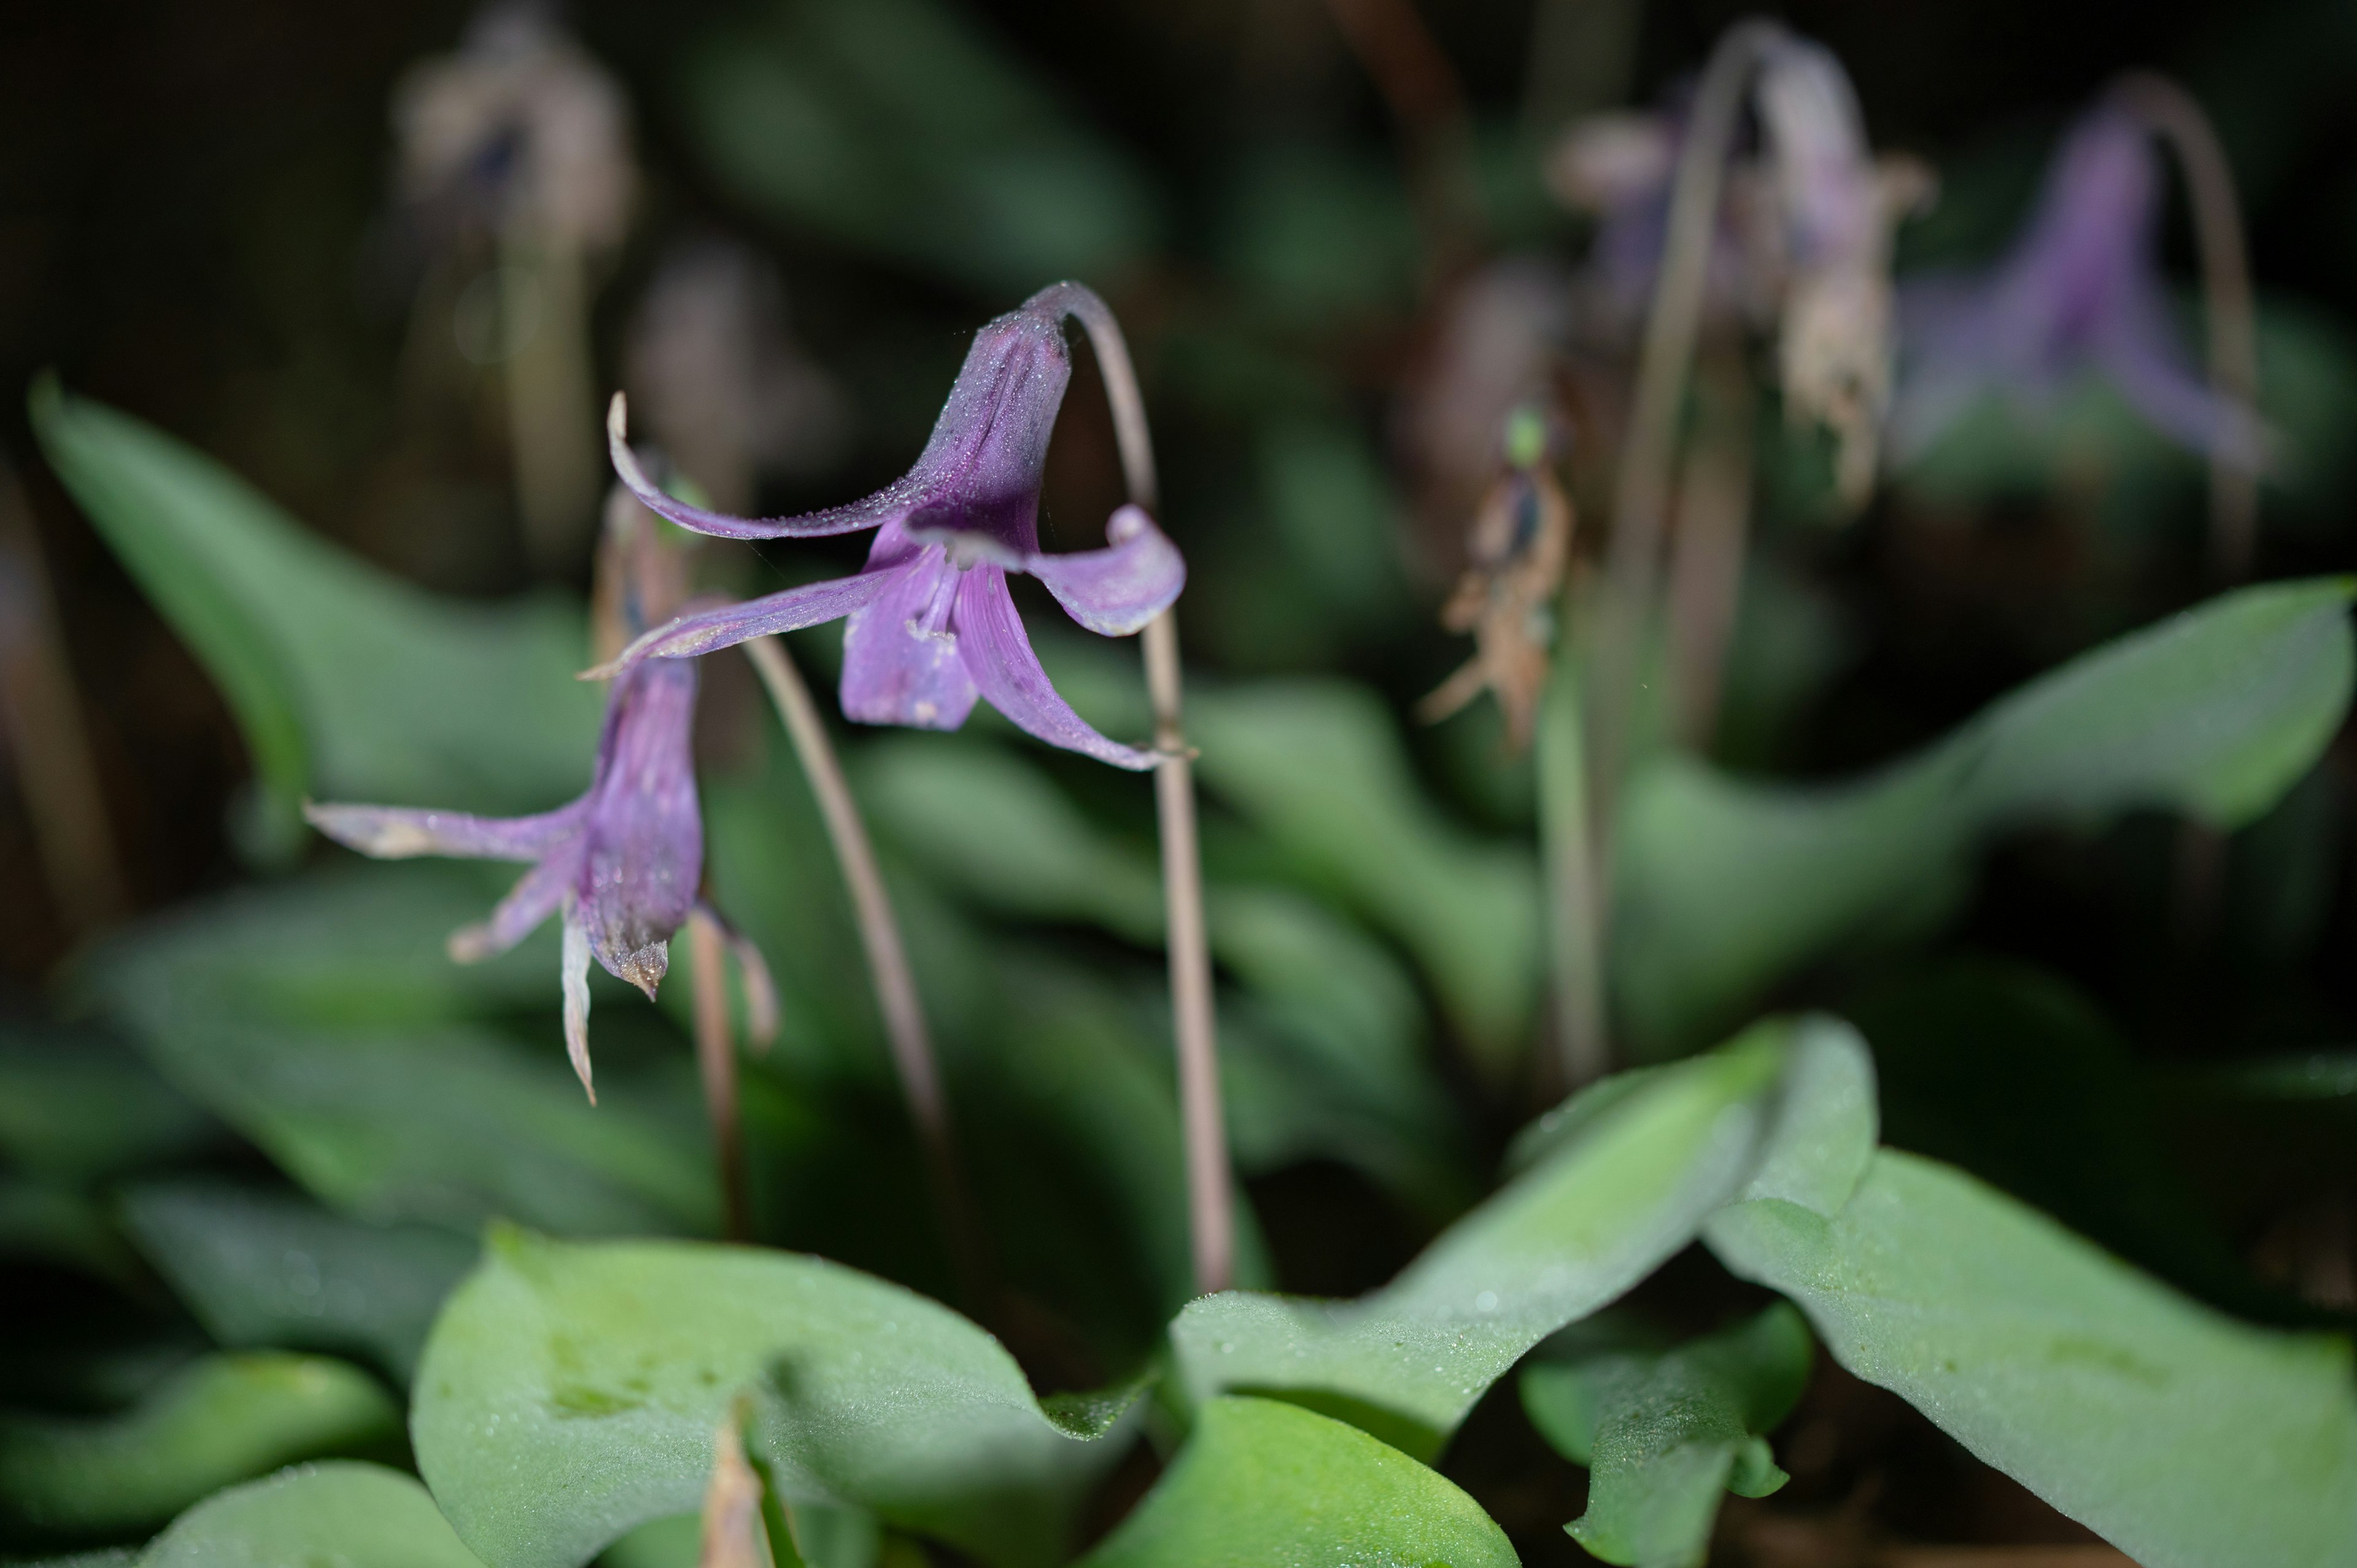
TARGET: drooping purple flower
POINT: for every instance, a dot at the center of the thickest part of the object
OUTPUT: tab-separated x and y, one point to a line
2080	293
932	625
623	863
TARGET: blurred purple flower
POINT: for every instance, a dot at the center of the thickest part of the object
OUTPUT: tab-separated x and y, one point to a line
932	625
2080	293
623	863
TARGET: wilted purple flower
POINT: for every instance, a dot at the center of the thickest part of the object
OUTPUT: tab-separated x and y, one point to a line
520	126
623	863
2079	293
932	626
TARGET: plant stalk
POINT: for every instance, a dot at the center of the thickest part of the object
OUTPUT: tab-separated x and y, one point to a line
41	720
2229	316
1210	1203
1649	449
716	1061
1705	591
1581	1035
888	959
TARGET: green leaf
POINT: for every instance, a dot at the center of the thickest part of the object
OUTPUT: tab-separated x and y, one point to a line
1263	1484
268	1269
1318	767
1724	886
901	128
1334	1068
47	1222
571	1392
2187	1439
76	1106
220	1419
310	1015
349	1515
347	682
1619	1189
1663	1434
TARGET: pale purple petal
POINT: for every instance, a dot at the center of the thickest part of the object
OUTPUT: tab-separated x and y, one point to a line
992	641
1116	590
573	969
886	504
813	604
2138	352
643	851
536	896
901	663
394	832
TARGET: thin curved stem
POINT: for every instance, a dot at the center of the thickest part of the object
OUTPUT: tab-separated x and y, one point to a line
880	933
1210	1203
1648	450
2229	316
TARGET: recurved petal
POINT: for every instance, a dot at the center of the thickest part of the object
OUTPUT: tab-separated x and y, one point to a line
1116	590
992	641
535	896
394	833
882	506
900	662
574	969
2141	357
813	604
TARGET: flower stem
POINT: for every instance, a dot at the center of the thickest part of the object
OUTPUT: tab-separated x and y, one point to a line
42	726
1211	1204
1649	449
888	959
716	1060
2173	115
1706	589
552	417
1580	1031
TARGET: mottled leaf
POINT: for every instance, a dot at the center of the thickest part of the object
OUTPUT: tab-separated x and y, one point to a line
347	1515
570	1392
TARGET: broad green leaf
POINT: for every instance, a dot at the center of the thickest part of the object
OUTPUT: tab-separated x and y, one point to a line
270	1269
1318	767
1262	1484
347	682
221	1420
350	943
1723	886
451	1123
75	1105
309	1016
347	1515
2186	1438
1335	1066
571	1392
901	128
1664	1433
1617	1190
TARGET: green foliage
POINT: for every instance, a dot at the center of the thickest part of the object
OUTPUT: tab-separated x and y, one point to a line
1723	886
571	1392
1318	767
2188	1439
901	129
1263	1483
347	682
1664	1433
218	1421
76	1106
351	1515
268	1269
321	1019
1627	1173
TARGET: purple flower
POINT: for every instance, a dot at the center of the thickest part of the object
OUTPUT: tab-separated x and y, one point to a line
932	625
2080	293
623	863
